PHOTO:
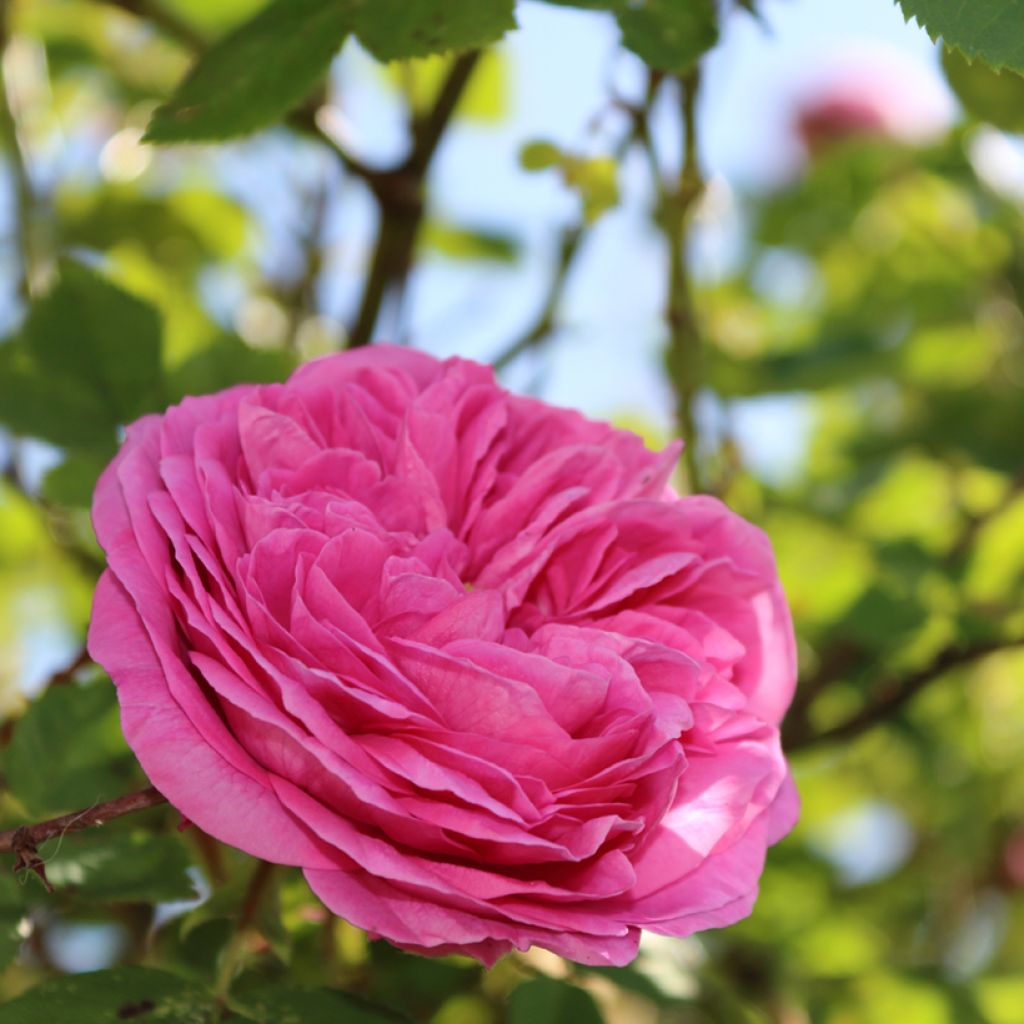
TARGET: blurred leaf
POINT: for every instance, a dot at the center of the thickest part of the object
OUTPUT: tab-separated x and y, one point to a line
279	1004
485	98
225	362
222	14
540	155
992	96
104	997
73	481
883	618
669	35
227	902
596	180
10	939
463	243
255	74
1001	998
67	751
990	29
547	1001
87	360
396	29
136	866
35	403
187	227
416	985
837	359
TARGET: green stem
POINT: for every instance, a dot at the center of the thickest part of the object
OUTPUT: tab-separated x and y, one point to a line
684	356
234	955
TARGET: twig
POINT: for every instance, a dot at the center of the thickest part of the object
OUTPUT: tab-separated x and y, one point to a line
896	693
399	195
572	237
568	247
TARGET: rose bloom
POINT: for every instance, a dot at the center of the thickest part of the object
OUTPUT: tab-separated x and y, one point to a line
461	656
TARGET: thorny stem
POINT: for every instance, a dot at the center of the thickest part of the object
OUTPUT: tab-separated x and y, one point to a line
24	841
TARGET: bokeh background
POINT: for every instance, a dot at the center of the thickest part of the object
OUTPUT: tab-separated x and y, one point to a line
855	261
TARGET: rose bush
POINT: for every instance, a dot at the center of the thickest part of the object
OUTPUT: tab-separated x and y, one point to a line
462	657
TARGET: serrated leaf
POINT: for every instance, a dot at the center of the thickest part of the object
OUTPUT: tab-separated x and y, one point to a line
280	1005
669	35
547	1001
397	29
992	30
103	997
67	750
257	73
133	867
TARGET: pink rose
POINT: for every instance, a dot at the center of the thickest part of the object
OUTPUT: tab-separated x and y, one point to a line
462	657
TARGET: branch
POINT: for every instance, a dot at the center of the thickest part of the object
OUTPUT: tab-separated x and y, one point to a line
31	835
24	841
896	693
399	194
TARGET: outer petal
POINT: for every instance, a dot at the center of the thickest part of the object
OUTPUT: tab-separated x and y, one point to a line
206	788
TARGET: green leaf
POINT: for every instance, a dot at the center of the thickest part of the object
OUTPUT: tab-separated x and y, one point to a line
35	403
87	360
546	1001
67	751
226	362
669	35
993	96
91	331
105	997
227	903
992	30
255	74
278	1004
73	481
540	155
397	29
132	867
